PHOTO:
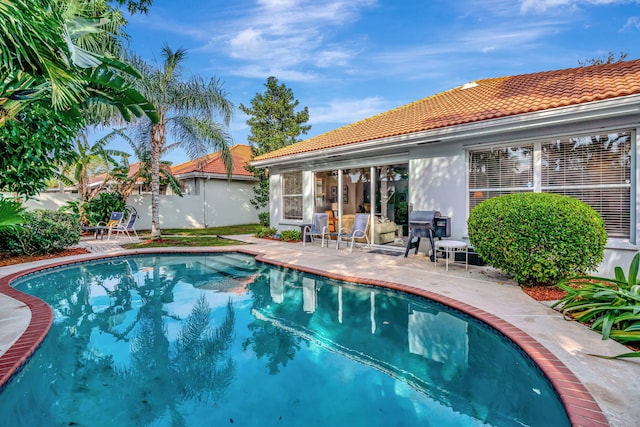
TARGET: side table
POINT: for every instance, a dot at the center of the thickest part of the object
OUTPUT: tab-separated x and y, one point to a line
450	247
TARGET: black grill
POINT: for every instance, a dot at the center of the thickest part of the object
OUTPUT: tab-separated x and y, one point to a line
428	224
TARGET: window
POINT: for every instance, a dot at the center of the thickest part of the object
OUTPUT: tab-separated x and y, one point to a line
595	169
499	171
292	195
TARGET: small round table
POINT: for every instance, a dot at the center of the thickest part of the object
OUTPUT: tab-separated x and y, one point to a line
451	247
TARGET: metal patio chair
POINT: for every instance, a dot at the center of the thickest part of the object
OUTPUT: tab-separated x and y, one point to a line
319	227
127	228
358	231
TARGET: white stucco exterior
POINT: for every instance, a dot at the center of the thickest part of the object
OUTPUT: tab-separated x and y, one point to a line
438	162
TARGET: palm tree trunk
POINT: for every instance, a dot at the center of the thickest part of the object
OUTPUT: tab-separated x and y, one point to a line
157	144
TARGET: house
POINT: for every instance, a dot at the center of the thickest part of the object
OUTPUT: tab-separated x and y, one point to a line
209	199
571	131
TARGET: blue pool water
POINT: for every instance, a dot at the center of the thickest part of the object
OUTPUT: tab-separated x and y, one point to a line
219	339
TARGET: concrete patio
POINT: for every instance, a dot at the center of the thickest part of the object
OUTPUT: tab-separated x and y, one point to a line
612	383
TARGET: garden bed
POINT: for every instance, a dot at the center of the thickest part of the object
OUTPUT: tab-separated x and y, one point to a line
12	260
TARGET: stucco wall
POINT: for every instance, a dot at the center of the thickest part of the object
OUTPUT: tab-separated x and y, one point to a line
437	181
220	203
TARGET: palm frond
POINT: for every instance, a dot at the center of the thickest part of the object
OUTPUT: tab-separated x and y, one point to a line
10	212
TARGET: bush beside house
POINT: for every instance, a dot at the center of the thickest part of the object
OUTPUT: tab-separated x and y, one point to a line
538	238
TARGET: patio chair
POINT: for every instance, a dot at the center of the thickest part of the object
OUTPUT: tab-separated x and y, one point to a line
114	220
127	228
358	231
319	227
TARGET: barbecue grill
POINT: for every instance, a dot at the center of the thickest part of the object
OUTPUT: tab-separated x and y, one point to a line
428	224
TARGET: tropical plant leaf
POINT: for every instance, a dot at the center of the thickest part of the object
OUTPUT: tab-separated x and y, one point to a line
633	271
10	213
619	356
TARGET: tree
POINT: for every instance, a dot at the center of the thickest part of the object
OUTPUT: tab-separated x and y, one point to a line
136	5
57	57
274	124
609	59
87	155
127	180
187	110
54	50
31	145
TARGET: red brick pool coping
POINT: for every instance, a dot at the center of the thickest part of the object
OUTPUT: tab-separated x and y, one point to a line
580	406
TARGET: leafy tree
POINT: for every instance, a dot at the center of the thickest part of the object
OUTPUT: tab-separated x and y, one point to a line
609	59
186	109
31	145
134	6
274	124
57	57
46	54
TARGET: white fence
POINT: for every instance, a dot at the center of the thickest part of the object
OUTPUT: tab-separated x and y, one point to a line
219	205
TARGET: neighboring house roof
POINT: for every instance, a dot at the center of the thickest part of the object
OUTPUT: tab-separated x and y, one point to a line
98	179
213	164
483	100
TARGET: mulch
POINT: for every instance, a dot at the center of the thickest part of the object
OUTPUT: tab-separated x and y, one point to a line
12	260
543	293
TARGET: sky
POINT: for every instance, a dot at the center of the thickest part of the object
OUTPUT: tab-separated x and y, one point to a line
347	60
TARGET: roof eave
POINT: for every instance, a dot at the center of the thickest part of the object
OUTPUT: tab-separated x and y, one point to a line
219	176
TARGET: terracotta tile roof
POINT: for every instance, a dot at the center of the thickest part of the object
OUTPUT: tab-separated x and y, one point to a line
133	169
484	100
213	164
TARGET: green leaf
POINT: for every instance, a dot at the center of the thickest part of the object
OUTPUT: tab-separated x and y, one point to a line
619	356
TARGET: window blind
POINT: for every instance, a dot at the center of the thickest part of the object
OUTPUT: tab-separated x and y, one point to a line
593	168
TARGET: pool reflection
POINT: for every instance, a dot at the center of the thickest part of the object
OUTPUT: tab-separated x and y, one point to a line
444	354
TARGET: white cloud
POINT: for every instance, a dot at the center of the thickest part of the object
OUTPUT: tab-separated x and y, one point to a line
277	4
292	35
347	110
248	41
632	22
544	5
333	58
261	71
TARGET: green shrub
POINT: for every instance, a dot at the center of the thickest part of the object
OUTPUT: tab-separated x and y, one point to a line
291	235
264	219
265	231
43	232
100	207
538	238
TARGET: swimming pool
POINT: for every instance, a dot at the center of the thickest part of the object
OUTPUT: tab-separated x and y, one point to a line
206	339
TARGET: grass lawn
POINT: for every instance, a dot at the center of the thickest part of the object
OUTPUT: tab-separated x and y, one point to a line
194	237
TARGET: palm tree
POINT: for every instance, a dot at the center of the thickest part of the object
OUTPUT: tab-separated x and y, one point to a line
128	177
48	52
186	110
77	170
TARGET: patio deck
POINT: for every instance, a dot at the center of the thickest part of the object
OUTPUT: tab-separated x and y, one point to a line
611	382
